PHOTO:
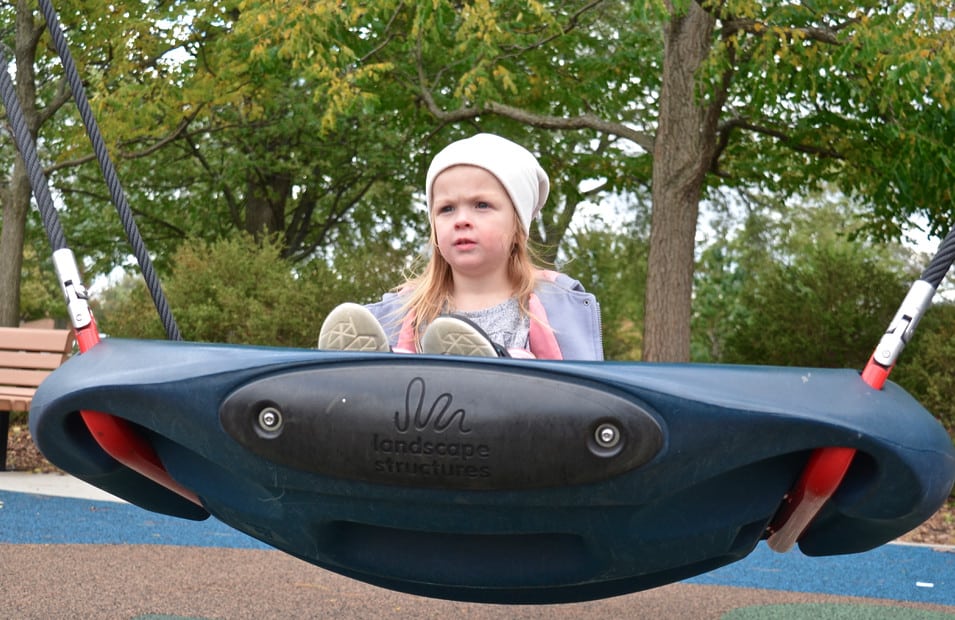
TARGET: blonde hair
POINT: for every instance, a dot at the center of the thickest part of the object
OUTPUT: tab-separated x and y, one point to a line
429	293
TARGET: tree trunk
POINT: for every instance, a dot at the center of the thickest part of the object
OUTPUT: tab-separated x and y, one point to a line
682	152
16	204
16	196
266	196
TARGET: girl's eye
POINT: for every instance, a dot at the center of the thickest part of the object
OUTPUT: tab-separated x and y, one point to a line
445	209
483	205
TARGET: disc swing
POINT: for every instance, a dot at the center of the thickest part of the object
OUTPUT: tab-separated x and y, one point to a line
487	479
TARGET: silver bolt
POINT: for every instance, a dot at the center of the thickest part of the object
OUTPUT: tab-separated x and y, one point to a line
607	435
270	419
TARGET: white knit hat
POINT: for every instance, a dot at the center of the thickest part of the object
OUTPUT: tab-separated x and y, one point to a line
514	166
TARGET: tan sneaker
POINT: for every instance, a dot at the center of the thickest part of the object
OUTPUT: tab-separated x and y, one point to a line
456	335
351	327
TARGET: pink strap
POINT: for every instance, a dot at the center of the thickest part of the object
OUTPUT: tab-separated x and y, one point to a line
406	339
543	342
548	275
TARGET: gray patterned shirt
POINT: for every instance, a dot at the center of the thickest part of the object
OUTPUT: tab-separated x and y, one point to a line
503	323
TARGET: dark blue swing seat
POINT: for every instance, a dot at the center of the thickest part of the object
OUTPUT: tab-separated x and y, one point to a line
497	480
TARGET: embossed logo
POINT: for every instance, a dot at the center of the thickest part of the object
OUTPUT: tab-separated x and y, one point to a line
437	418
421	448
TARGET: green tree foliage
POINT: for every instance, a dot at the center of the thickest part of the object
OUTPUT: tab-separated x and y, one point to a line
612	263
417	63
828	309
216	142
237	290
119	51
743	94
40	295
313	120
737	251
797	289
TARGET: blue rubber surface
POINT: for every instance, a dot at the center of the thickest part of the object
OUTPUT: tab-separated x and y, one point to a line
38	519
898	572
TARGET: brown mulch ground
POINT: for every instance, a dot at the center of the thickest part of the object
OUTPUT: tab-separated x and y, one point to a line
22	455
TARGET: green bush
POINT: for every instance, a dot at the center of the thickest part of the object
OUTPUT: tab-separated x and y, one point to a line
612	264
238	291
925	366
828	309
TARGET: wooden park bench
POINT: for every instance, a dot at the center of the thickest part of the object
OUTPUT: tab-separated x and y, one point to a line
27	356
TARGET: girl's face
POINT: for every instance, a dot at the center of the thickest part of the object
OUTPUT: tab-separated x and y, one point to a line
474	221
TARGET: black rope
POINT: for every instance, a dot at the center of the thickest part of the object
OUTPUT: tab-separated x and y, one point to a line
942	262
109	172
26	144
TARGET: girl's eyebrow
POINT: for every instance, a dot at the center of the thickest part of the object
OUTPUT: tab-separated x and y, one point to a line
438	198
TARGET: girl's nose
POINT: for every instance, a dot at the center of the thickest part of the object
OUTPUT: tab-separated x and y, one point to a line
462	219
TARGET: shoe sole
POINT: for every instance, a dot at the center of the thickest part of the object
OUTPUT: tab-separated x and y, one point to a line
450	336
350	327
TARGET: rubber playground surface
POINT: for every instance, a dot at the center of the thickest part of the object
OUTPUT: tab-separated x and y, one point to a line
68	550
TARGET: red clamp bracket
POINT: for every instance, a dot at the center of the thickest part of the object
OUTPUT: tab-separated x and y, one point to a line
116	437
828	466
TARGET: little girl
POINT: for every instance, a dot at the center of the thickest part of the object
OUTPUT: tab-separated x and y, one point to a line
480	293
